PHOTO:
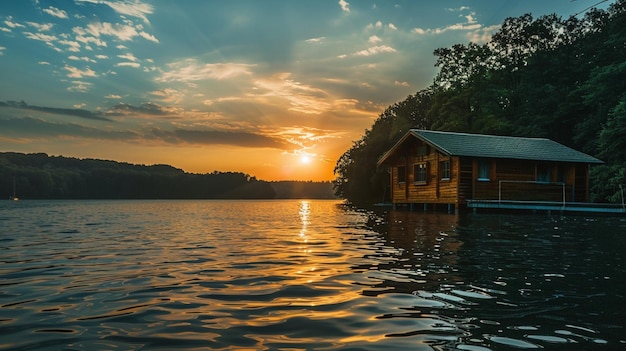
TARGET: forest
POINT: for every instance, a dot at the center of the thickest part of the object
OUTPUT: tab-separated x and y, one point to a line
39	176
548	77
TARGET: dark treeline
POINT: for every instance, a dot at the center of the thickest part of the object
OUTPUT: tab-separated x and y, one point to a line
39	176
544	77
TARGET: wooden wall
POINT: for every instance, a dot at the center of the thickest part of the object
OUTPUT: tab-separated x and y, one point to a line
464	184
434	190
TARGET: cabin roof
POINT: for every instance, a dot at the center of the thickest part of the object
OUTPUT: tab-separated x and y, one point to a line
492	146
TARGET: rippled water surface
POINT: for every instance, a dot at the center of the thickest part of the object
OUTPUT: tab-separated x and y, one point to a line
290	275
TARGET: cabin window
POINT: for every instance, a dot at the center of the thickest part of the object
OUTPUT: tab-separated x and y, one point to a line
420	171
484	169
444	169
401	174
543	174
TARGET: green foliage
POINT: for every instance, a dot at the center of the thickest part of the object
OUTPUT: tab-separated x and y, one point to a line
543	77
358	179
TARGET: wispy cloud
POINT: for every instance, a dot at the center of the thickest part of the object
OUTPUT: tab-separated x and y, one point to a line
9	23
374	50
72	46
128	64
345	6
470	24
42	27
41	37
123	32
189	70
79	86
168	95
53	11
315	40
221	137
38	128
374	39
78	73
53	110
134	8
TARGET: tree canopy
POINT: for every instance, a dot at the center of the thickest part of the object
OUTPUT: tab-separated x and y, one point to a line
39	176
537	77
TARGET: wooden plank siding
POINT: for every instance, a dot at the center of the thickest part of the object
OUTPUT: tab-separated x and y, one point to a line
484	167
508	179
433	189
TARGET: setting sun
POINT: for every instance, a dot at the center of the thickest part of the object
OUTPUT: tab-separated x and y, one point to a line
305	159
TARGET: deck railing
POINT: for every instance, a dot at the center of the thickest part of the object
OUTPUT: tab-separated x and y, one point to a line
548	186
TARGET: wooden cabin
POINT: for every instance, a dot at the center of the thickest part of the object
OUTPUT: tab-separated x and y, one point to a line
433	167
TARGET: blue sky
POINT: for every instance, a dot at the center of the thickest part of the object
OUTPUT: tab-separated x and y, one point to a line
278	89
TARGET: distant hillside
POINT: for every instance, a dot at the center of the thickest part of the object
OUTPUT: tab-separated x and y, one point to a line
39	176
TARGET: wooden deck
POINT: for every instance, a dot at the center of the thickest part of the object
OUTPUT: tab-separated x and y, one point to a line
583	207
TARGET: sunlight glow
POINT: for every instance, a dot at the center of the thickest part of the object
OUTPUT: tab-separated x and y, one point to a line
305	159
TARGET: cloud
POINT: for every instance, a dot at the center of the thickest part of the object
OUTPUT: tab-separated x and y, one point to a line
112	96
73	46
41	37
483	34
123	32
392	26
345	6
147	108
84	58
470	24
378	24
301	97
128	64
2	48
459	9
78	73
34	127
374	50
9	23
53	11
126	7
315	40
57	111
220	137
42	27
79	86
168	95
189	70
374	39
403	84
129	57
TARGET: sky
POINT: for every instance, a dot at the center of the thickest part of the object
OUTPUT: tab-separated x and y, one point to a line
277	89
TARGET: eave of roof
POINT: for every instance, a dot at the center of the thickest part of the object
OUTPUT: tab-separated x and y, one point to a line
492	146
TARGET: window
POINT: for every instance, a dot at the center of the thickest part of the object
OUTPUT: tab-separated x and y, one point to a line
420	171
401	174
444	169
484	169
543	174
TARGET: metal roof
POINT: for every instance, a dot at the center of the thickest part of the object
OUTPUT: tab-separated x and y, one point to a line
492	146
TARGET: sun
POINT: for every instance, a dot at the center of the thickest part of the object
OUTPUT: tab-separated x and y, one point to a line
305	159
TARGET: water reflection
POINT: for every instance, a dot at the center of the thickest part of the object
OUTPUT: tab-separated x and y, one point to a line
499	282
269	275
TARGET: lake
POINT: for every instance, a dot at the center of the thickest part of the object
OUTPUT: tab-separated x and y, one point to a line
305	274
